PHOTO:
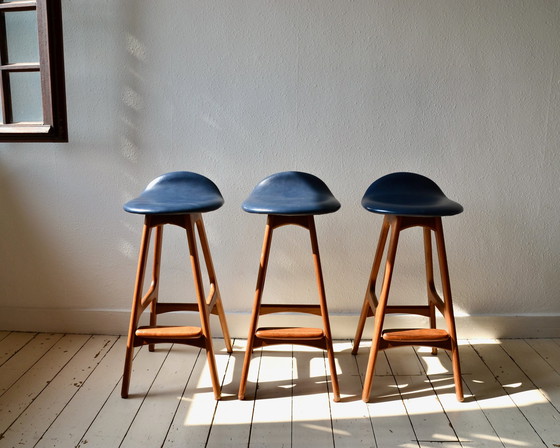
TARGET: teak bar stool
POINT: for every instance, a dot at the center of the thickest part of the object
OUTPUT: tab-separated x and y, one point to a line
177	198
290	198
409	200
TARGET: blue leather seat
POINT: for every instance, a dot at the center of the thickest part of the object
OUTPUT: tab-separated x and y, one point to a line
176	193
408	194
291	193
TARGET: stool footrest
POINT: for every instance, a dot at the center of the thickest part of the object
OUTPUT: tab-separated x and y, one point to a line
163	332
301	333
415	335
421	310
268	308
172	307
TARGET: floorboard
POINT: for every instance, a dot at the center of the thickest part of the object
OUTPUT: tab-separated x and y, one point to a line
64	391
116	415
509	423
72	423
232	420
311	401
351	421
22	360
35	381
30	426
192	423
538	371
388	415
531	402
429	419
272	413
467	418
10	344
152	421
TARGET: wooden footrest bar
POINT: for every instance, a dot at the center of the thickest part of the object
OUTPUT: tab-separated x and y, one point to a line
163	332
415	335
290	333
267	308
172	307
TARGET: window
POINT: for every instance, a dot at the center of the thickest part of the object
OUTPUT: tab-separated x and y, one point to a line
32	90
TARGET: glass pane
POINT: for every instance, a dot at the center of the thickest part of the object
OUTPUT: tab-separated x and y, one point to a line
21	34
26	96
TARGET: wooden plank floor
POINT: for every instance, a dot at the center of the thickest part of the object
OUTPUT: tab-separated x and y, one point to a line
64	391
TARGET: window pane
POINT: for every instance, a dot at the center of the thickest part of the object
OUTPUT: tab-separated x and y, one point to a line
26	96
21	34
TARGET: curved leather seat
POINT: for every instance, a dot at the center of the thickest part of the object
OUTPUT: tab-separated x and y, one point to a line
408	194
175	193
291	193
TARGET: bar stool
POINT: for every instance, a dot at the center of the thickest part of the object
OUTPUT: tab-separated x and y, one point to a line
177	198
290	198
409	200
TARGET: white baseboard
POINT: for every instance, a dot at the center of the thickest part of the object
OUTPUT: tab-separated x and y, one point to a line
343	326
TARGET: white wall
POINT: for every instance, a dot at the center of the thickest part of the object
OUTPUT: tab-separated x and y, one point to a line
467	93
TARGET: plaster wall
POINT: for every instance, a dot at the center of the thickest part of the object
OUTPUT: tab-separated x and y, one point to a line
466	93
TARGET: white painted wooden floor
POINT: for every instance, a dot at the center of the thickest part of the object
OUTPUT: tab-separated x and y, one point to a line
64	391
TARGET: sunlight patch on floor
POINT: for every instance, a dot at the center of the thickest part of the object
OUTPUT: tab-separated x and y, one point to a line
490	438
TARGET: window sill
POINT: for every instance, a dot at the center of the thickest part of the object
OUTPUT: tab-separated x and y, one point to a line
30	132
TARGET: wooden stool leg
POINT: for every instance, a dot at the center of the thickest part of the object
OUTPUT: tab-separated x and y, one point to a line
256	307
431	287
155	279
370	299
223	324
213	281
381	308
323	305
136	306
448	309
361	323
202	306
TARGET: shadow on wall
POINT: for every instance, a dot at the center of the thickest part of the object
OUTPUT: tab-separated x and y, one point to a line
141	167
152	141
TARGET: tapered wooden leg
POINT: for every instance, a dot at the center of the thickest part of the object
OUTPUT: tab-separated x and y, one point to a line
203	310
136	307
155	279
369	298
361	324
256	307
323	305
223	324
430	284
448	310
381	308
213	280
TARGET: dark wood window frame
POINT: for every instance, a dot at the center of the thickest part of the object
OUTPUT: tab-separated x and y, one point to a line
53	128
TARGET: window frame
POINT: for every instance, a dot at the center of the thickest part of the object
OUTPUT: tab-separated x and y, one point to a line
54	127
